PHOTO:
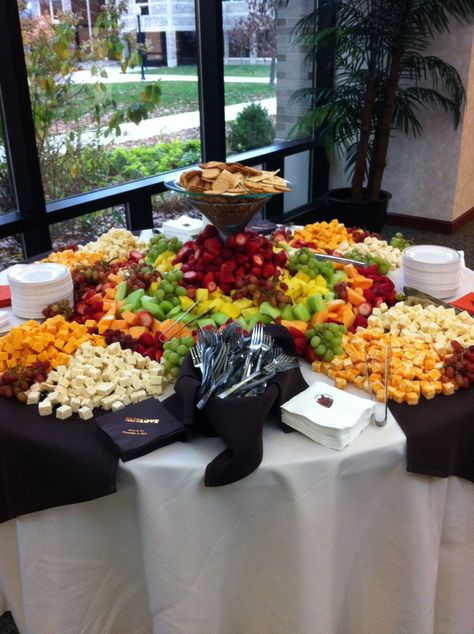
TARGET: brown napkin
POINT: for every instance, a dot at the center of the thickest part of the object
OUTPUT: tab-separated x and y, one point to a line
140	428
238	421
440	434
45	462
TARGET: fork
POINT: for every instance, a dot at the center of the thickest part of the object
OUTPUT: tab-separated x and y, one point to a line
196	358
254	346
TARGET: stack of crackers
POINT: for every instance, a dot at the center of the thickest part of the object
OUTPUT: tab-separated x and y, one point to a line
232	179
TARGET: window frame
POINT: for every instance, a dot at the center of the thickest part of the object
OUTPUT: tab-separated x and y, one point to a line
33	216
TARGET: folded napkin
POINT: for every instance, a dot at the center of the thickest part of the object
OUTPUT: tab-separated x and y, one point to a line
138	429
327	415
238	421
440	434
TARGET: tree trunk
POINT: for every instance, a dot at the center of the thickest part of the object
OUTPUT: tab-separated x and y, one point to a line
363	146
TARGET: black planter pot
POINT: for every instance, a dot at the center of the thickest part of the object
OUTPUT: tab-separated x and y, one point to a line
366	214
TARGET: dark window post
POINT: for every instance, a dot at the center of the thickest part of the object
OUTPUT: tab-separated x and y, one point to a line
210	63
20	133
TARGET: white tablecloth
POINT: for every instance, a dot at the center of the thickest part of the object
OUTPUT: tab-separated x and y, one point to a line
314	541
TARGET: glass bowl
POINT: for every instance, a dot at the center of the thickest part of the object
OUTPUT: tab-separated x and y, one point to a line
228	213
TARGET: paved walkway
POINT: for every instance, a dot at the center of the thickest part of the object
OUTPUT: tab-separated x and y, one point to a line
173	123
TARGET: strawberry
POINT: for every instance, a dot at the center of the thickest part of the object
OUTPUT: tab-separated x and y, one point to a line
147	339
360	320
268	270
158	354
97	307
227	276
280	258
88	294
98	316
211	286
144	318
199	241
213	246
240	239
309	354
257	271
379	300
207	258
257	260
365	309
190	277
369	295
241	258
184	253
209	277
253	246
209	232
81	308
136	255
227	254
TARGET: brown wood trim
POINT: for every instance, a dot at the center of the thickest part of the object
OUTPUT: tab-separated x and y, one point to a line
431	224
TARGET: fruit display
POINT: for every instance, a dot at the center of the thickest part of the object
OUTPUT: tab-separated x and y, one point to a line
400	242
149	302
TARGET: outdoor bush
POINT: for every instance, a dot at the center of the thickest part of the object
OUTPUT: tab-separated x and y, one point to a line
251	129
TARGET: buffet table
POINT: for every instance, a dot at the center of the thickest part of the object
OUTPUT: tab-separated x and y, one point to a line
315	540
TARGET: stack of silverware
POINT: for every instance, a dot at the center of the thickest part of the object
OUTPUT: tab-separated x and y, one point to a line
235	364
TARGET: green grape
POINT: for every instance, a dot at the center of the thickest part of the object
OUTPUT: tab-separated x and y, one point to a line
315	341
166	354
338	350
160	294
180	291
174	344
309	334
179	275
175	301
166	346
174	358
188	341
333	327
181	361
182	350
174	371
328	355
328	336
320	350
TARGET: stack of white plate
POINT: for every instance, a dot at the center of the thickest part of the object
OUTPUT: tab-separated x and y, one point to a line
35	286
433	269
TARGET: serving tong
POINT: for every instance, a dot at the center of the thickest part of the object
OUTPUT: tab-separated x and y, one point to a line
238	365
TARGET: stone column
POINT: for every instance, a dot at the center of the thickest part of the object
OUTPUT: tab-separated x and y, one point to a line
292	72
170	36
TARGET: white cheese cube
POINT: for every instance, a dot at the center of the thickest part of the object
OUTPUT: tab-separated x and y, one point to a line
155	380
75	403
91	390
137	383
45	408
104	388
141	395
117	405
85	413
134	397
114	348
33	398
63	412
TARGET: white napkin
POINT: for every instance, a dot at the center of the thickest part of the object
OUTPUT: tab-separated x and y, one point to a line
328	415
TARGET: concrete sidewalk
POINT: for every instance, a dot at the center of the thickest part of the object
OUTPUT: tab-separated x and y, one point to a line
171	124
115	76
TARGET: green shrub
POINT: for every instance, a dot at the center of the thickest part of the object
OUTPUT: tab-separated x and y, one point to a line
252	128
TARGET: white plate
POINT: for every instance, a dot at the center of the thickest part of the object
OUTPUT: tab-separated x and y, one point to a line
432	254
41	273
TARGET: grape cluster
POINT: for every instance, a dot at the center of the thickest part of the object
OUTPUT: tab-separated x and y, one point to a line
304	260
326	340
262	290
159	244
459	367
359	235
139	275
86	276
15	382
127	342
174	353
400	242
169	290
383	265
63	307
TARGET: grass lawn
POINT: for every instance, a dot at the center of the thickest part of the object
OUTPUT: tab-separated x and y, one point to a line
181	97
240	70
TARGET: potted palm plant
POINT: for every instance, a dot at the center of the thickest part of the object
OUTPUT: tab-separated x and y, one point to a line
383	77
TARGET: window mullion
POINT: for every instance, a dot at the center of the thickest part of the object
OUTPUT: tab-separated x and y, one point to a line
20	133
210	58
